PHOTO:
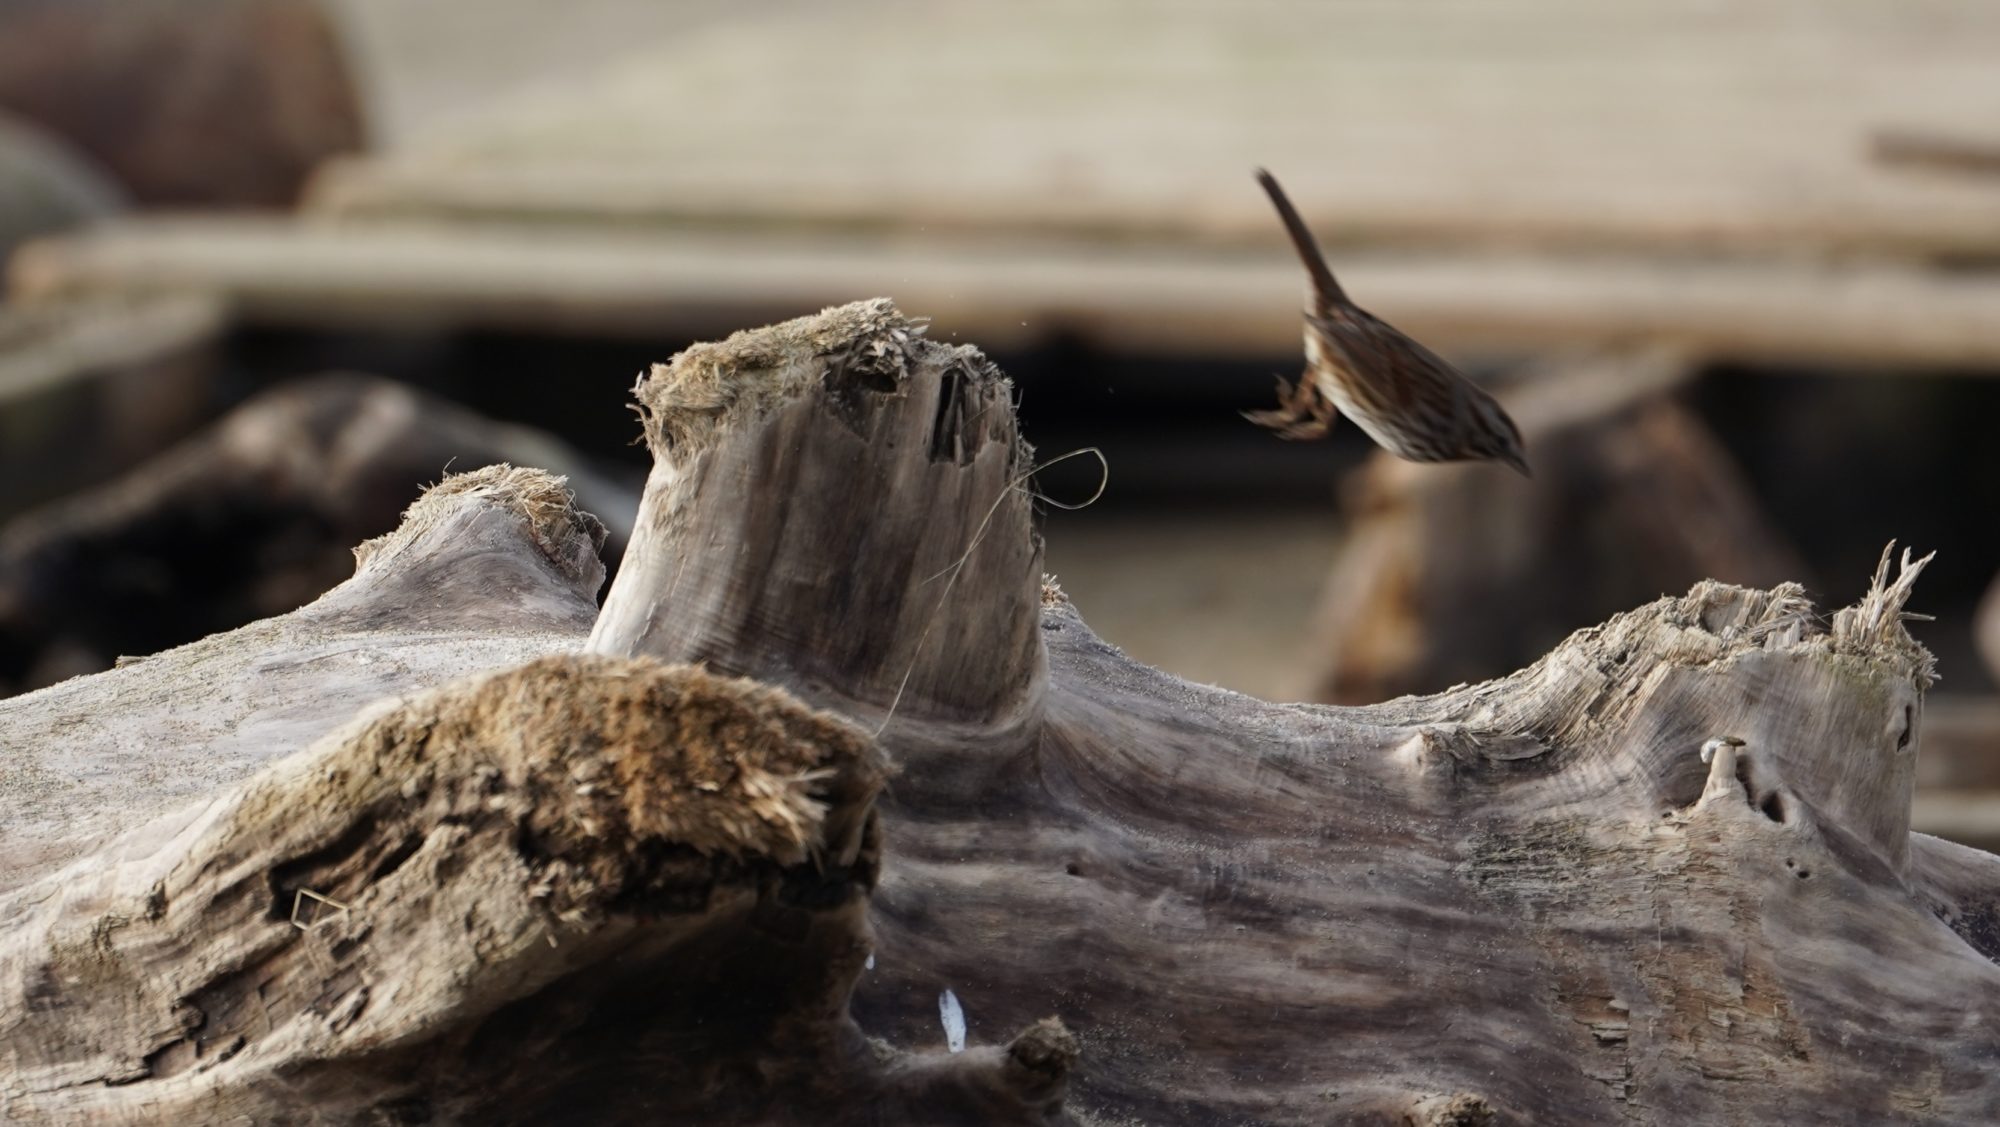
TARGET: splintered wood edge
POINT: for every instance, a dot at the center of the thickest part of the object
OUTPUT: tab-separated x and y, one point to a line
1742	619
708	386
1875	624
568	536
902	470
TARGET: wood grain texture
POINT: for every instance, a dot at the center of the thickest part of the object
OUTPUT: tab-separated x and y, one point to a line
748	555
489	570
1529	898
347	936
1524	901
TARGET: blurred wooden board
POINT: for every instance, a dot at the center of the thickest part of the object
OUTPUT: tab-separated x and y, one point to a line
1958	770
47	345
1961	744
1003	292
1680	126
1966	817
90	385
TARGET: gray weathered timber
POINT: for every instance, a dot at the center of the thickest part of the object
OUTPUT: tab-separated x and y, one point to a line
621	891
441	913
490	569
749	555
1530	896
1663	126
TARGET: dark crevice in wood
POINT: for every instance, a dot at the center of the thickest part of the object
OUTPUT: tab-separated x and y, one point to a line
1977	924
402	852
951	434
1772	806
288	878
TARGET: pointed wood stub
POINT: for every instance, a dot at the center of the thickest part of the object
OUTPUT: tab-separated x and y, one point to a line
838	505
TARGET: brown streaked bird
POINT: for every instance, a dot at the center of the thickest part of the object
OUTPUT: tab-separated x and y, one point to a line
1403	395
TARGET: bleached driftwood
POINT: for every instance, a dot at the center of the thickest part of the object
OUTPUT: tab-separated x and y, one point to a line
617	890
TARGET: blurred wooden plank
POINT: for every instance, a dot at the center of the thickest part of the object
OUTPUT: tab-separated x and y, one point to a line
1678	126
1938	152
1961	744
46	345
1131	297
90	385
1967	817
1958	771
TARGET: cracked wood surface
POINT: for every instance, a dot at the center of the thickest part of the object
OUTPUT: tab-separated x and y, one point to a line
470	581
1526	901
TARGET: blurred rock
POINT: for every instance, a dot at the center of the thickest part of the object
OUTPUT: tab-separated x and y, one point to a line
1986	629
225	103
250	518
1460	573
45	186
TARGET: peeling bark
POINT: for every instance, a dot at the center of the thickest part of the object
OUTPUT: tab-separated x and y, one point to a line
1558	897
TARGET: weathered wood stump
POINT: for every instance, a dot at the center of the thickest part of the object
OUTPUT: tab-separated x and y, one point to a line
601	886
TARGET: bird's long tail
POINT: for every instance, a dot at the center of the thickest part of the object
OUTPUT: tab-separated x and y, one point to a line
1322	278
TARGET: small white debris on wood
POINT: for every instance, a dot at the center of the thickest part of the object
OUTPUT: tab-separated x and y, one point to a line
1709	749
953	1016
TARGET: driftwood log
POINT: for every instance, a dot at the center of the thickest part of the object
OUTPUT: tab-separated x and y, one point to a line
252	517
1455	574
450	845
